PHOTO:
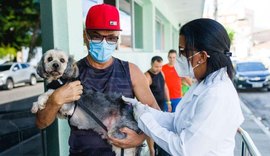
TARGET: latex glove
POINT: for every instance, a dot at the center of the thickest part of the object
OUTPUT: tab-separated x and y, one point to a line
138	107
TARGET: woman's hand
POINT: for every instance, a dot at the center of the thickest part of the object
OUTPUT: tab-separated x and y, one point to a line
133	139
68	93
138	107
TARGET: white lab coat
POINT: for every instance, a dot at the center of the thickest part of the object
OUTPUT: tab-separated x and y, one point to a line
204	123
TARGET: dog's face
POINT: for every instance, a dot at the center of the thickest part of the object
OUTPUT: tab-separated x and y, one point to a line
55	64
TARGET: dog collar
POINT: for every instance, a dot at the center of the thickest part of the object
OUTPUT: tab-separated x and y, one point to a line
57	83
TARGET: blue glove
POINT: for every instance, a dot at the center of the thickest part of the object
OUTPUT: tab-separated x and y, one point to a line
138	107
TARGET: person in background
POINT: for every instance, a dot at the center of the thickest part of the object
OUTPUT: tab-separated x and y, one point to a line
207	118
173	81
160	91
157	83
100	72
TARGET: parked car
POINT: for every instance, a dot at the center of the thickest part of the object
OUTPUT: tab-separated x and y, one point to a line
14	73
251	74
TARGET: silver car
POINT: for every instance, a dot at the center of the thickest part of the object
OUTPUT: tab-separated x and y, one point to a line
15	73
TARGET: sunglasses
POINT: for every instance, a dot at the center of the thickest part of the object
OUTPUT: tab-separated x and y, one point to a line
98	38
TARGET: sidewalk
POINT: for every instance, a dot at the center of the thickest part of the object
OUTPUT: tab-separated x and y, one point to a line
257	131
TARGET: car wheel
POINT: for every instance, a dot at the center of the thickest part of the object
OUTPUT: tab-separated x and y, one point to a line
33	80
9	84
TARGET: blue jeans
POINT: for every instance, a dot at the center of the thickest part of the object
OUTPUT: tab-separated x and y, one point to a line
174	103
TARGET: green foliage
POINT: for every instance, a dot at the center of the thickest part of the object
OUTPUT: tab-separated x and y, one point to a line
18	20
231	34
8	52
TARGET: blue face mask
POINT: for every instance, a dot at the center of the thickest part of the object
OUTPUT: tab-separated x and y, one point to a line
101	52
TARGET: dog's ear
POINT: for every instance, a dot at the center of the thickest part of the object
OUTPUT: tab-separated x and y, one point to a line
71	71
40	68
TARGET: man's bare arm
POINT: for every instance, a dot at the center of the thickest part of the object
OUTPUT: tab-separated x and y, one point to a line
141	87
143	94
167	95
148	77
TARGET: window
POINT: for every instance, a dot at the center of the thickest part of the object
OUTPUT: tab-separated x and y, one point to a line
160	42
24	65
250	66
4	67
125	23
111	2
87	4
16	67
175	37
138	26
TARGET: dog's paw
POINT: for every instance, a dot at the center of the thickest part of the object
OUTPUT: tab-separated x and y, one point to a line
34	108
43	98
41	106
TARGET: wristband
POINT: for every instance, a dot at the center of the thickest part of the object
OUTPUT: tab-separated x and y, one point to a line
168	102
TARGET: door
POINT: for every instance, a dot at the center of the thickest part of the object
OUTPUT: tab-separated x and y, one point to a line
17	73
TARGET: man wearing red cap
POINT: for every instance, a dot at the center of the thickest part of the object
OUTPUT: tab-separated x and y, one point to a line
99	71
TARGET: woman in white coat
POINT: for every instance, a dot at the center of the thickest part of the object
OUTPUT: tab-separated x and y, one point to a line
207	118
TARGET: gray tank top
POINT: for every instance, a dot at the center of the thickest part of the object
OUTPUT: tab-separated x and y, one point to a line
115	78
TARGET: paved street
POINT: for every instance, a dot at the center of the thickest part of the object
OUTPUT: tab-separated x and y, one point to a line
256	109
258	102
20	93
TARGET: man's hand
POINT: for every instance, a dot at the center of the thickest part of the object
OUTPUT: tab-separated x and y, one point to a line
169	107
132	140
68	93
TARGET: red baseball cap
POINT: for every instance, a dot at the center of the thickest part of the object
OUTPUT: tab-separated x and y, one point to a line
103	17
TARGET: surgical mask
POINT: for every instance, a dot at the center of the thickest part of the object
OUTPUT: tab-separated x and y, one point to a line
183	67
101	52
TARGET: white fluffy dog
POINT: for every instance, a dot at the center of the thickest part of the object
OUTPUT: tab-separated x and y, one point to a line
56	66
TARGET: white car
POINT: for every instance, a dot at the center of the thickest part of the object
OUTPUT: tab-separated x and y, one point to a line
15	73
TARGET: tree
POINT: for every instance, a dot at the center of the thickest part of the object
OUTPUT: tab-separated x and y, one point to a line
20	24
231	33
7	53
